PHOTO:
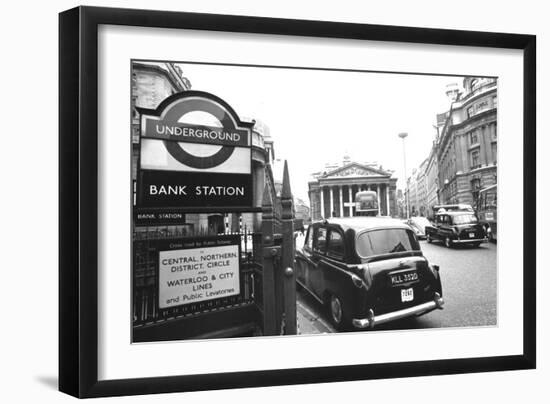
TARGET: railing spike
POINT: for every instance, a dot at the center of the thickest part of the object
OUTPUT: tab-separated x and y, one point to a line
267	201
286	196
286	192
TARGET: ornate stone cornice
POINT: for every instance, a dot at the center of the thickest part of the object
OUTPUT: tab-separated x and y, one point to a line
355	170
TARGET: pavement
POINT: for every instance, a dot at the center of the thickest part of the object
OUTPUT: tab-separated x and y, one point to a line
310	321
469	282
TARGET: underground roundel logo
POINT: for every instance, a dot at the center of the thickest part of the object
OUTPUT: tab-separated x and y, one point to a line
198	162
163	124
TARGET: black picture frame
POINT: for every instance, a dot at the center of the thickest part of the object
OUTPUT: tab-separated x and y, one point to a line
78	206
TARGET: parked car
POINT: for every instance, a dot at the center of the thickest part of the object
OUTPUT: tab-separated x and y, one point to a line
367	271
456	227
419	224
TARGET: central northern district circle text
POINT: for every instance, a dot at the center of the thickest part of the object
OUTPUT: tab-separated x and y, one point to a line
198	190
182	264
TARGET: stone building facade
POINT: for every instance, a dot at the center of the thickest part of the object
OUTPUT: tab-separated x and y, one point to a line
467	150
332	191
417	190
422	187
411	193
432	181
463	157
152	82
302	211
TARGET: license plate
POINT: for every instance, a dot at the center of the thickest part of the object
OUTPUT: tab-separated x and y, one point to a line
406	277
472	235
407	295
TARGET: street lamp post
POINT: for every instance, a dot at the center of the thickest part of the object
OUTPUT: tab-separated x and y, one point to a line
403	135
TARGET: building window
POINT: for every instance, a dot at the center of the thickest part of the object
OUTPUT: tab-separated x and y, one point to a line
135	134
309	238
475	159
494	152
476	185
470	112
474	138
135	114
494	101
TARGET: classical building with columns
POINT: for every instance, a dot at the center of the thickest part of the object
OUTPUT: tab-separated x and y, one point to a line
332	191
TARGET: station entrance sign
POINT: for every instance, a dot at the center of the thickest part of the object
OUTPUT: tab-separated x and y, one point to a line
198	270
187	161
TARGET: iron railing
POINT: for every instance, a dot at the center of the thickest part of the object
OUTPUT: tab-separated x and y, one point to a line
146	308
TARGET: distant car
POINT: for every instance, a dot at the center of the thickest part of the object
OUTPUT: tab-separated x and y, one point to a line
419	224
456	227
367	271
419	234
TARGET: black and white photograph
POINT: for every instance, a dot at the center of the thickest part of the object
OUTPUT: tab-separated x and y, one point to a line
275	202
288	201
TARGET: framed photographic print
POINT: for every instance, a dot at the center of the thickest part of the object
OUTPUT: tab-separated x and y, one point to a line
251	201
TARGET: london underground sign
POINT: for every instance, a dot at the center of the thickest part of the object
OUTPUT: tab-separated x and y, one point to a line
188	163
191	147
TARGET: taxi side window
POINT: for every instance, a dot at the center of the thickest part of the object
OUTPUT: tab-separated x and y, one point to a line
335	244
320	240
309	238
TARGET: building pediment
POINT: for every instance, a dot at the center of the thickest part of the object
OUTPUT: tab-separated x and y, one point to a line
356	170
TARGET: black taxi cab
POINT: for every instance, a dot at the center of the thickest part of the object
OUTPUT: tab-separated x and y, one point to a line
456	227
367	271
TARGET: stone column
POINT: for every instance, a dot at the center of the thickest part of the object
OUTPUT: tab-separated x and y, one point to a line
388	200
341	202
322	202
485	144
331	201
350	201
378	197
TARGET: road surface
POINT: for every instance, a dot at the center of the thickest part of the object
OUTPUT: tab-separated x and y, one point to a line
469	281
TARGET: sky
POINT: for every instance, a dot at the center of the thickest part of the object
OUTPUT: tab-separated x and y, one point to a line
316	117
